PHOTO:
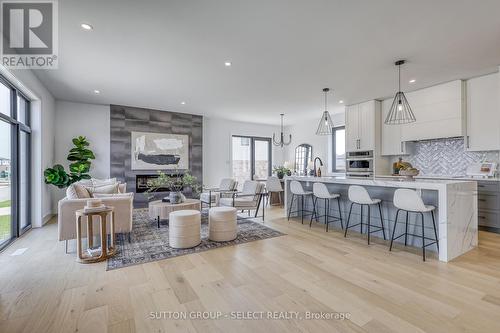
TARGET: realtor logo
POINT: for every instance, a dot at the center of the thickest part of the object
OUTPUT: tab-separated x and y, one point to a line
29	31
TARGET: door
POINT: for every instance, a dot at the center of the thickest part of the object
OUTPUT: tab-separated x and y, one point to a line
351	128
251	158
366	116
6	189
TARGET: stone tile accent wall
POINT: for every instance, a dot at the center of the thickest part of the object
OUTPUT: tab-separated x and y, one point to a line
126	119
446	157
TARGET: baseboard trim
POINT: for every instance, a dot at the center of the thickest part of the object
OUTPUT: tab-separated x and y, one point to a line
47	218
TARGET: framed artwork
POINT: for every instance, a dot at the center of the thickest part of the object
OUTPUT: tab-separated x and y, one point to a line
159	151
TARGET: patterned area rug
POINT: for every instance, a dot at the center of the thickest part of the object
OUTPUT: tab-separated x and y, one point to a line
148	243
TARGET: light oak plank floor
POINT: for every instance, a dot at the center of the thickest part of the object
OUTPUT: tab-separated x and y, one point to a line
308	270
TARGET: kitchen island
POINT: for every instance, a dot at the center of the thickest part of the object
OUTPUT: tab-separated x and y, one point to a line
455	202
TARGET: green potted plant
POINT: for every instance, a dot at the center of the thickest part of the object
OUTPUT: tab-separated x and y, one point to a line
176	183
281	171
80	157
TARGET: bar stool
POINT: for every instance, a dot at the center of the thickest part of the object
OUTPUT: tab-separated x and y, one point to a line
359	195
297	190
320	191
410	202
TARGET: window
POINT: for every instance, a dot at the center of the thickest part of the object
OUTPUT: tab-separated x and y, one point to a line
251	158
303	155
15	161
338	144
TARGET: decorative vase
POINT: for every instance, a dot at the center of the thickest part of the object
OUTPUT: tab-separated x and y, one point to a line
280	174
289	173
175	197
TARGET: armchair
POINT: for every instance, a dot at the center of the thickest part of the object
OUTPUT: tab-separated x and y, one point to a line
212	195
250	198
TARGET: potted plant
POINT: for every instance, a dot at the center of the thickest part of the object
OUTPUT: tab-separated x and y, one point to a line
176	183
281	171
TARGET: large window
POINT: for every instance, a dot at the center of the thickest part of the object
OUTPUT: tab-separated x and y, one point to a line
15	171
251	158
338	144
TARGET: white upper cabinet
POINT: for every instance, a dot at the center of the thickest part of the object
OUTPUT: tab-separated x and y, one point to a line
392	143
360	124
439	111
483	113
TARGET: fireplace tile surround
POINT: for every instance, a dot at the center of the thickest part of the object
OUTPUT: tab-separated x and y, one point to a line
125	119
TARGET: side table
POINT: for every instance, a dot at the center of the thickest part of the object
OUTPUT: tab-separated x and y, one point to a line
107	250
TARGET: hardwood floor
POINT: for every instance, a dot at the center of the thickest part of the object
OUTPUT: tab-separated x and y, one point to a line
45	290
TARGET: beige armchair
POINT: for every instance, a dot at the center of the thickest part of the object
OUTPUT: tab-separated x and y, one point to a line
123	205
250	198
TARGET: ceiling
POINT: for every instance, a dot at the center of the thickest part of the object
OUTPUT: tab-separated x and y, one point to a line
158	54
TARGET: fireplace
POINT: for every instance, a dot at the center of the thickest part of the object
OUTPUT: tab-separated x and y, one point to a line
141	183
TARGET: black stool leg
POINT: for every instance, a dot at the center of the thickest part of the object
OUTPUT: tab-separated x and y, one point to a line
327	210
302	209
340	213
423	237
381	220
315	199
348	219
394	229
290	208
435	230
361	224
406	228
369	224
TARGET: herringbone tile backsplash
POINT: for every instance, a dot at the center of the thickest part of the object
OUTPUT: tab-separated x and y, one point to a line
446	157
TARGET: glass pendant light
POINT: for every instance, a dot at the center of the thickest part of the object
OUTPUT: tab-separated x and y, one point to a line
400	111
325	126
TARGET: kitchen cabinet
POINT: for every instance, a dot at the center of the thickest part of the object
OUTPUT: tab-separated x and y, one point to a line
391	138
483	113
488	196
361	126
439	112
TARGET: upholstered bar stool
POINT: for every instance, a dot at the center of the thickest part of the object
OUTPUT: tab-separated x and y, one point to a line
409	201
359	195
298	191
320	191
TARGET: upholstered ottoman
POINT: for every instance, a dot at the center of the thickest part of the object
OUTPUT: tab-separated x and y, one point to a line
184	229
222	226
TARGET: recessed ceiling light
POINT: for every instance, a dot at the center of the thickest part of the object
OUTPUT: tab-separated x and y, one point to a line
412	81
183	103
228	64
341	102
86	26
97	92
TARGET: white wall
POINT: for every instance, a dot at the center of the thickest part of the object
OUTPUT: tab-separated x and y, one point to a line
42	125
217	146
305	132
91	121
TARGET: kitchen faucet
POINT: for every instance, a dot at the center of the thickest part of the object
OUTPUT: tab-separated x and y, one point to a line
320	163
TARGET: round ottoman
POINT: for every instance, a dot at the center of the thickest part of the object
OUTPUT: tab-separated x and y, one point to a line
184	229
222	224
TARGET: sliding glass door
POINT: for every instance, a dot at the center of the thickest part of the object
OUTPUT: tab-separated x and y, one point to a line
251	158
15	161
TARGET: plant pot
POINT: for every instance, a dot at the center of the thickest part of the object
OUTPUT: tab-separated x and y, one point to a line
289	173
175	197
280	175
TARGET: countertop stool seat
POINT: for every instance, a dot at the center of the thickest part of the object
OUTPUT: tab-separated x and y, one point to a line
298	192
359	195
184	228
320	191
222	224
409	201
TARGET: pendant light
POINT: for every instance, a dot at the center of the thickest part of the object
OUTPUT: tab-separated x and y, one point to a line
325	126
282	141
400	112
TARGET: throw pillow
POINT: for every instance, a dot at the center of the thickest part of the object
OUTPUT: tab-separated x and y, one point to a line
102	182
106	189
71	192
81	191
122	188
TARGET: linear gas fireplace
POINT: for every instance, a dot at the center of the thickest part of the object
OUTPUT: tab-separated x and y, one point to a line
141	183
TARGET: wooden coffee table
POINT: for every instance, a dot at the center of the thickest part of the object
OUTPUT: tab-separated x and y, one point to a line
160	210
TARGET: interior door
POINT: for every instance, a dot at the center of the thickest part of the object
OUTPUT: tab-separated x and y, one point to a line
351	128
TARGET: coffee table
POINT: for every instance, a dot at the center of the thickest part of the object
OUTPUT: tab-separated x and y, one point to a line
160	210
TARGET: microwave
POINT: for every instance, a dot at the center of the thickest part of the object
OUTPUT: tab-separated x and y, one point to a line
359	162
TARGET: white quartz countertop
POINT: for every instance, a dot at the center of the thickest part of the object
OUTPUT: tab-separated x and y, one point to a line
460	178
419	183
